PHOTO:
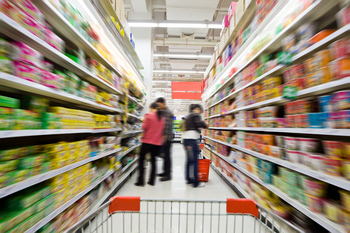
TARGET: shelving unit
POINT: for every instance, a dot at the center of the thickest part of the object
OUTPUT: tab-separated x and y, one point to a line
42	132
317	217
65	206
16	87
229	86
333	180
48	175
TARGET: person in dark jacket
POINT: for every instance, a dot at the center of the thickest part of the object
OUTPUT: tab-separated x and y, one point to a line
167	138
190	137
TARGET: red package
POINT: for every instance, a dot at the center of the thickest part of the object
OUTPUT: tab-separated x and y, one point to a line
340	49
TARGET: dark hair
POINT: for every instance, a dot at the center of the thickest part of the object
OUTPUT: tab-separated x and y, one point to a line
160	100
194	106
183	118
154	105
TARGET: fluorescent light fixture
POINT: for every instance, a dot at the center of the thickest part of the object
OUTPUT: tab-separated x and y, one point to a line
142	25
182	25
179	71
175	55
214	26
175	24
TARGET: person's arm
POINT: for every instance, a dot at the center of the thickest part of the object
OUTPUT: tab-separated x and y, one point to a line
199	123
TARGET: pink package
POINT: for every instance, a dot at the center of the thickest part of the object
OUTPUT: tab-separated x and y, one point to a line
31	24
27	72
51	80
28	55
30	9
53	40
225	22
47	65
340	48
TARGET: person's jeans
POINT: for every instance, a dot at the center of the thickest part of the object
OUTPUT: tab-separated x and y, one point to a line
167	158
154	150
192	152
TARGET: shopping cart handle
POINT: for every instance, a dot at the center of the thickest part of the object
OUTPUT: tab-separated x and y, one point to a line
121	203
242	206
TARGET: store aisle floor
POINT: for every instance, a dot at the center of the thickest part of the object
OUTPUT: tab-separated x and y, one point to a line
215	188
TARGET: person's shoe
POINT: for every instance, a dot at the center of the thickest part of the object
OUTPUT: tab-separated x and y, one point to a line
161	174
139	184
189	182
165	178
200	185
150	183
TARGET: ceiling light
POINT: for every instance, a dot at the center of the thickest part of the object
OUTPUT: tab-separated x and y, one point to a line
174	24
142	25
179	71
182	25
175	55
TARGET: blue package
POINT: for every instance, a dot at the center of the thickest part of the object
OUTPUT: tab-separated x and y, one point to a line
325	103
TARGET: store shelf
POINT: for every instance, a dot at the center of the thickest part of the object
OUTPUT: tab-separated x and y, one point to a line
65	206
120	179
133	99
318	8
13	30
56	19
310	50
48	175
11	81
236	188
316	90
134	116
130	149
311	131
317	217
333	180
44	132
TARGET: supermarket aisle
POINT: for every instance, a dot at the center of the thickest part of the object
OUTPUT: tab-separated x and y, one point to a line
177	188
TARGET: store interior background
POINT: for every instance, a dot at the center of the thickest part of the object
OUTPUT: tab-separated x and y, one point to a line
170	49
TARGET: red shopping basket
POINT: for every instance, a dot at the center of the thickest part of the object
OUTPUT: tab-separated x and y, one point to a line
203	167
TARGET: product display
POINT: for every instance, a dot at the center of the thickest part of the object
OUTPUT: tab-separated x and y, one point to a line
271	107
61	154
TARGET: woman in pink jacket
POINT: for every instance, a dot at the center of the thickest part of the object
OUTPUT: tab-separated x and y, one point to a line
153	126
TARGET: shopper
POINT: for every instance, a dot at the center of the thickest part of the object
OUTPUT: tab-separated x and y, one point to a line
152	139
190	137
182	127
167	139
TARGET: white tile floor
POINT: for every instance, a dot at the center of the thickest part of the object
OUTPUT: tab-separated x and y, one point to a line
215	188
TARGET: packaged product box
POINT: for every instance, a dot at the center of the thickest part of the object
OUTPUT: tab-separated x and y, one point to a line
9	102
6	65
341	67
28	55
340	49
31	161
8	50
322	58
27	72
35	104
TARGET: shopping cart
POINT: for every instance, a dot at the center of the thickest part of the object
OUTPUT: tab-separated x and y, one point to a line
142	215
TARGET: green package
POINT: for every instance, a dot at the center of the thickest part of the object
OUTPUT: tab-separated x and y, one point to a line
5	181
6	118
24	201
8	102
8	166
11	218
45	202
49	120
19	175
46	167
31	161
35	104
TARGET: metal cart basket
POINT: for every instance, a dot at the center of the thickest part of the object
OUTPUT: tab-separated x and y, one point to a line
141	215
